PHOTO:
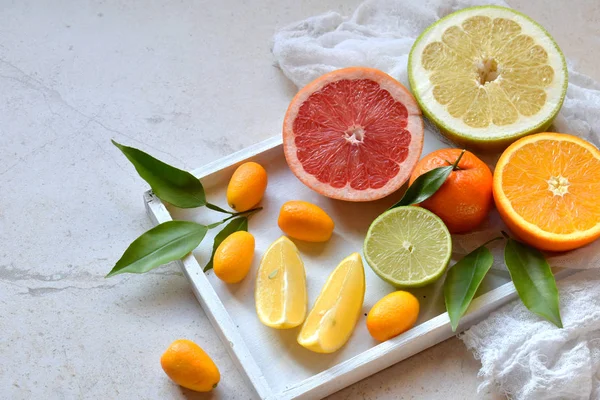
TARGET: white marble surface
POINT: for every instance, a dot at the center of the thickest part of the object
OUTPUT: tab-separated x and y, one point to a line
188	81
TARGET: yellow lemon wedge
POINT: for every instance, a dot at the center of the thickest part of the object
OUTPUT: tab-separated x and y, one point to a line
335	313
280	293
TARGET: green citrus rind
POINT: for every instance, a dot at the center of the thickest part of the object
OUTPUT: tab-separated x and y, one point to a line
481	143
443	262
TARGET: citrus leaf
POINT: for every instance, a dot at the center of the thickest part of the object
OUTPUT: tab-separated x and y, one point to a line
463	280
164	243
533	280
424	186
217	208
238	224
170	184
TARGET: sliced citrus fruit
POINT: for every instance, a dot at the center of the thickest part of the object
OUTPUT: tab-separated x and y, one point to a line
488	75
335	313
353	134
408	246
280	292
546	188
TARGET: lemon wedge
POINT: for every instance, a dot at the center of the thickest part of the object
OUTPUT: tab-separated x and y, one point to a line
335	313
280	293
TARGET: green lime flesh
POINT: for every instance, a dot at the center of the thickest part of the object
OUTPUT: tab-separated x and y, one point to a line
408	247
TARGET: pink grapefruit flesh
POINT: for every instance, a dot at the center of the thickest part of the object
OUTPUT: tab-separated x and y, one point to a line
353	134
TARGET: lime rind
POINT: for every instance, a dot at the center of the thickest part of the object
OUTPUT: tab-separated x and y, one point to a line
408	229
498	141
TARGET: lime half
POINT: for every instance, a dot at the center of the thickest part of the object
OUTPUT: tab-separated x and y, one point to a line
487	76
408	246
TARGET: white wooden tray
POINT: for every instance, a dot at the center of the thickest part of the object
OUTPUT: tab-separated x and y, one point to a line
275	366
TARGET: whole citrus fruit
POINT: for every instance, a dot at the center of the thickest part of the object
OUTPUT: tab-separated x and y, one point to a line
247	186
305	221
465	198
353	134
393	314
233	257
546	188
189	366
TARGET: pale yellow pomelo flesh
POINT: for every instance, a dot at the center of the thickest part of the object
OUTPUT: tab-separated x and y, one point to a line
280	294
487	76
337	309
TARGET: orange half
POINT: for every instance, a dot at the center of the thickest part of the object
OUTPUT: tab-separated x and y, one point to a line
547	190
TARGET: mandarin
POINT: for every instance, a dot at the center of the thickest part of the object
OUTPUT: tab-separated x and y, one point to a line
465	199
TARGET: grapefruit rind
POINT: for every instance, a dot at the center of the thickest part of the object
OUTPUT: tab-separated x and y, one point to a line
414	126
491	137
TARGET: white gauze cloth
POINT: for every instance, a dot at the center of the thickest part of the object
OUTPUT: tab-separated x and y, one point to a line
521	355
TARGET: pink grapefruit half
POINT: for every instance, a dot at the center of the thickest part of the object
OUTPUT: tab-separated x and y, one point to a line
353	134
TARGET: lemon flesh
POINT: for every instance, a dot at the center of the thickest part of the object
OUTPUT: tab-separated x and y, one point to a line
280	294
336	311
488	75
408	246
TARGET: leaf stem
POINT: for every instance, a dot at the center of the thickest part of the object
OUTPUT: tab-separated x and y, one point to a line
455	166
215	224
249	212
243	213
219	209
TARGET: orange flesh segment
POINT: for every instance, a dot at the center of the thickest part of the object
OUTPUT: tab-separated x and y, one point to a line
532	184
352	131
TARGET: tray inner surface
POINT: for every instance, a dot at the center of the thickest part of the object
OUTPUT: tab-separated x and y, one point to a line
283	362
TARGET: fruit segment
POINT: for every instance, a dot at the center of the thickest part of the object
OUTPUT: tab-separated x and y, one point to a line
280	295
336	311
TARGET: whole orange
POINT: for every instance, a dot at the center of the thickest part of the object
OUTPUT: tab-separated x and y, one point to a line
465	199
189	366
393	314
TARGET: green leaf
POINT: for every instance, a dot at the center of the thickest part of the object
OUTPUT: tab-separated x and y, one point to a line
463	280
219	209
533	280
164	243
424	186
427	184
238	224
170	184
